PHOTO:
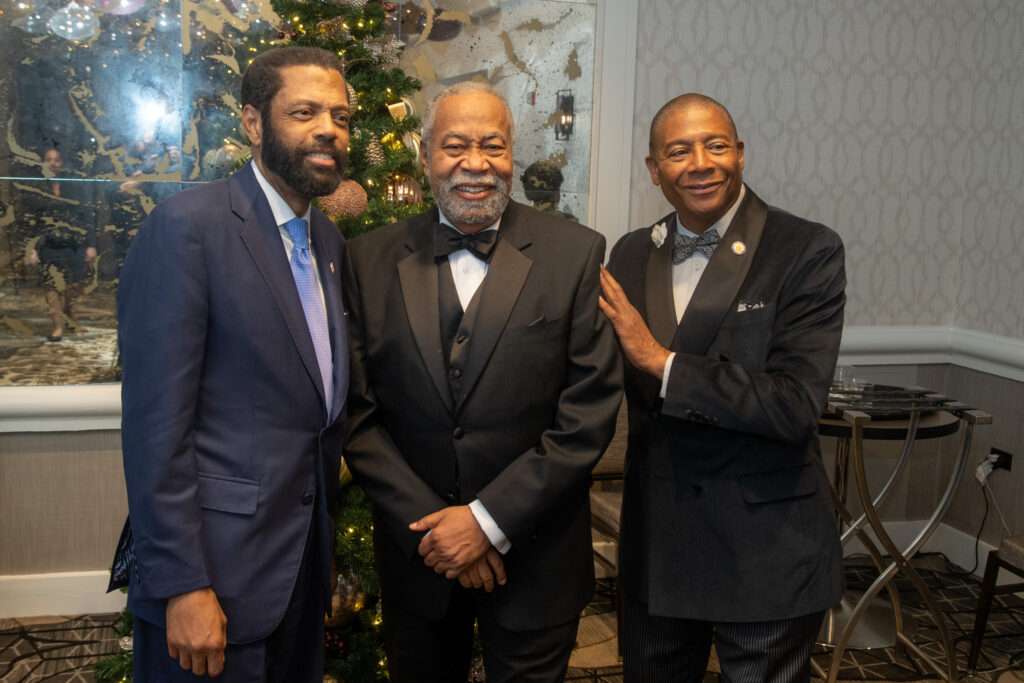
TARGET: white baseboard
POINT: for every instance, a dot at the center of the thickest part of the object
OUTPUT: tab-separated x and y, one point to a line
63	593
956	545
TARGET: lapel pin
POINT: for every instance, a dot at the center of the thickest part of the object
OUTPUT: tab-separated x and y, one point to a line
332	266
739	248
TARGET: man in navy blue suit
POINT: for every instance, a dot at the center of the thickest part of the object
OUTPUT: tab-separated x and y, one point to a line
234	348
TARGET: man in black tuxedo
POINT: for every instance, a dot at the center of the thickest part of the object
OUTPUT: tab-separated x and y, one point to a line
730	313
485	384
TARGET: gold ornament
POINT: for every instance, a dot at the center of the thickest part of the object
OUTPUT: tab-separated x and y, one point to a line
348	201
353	98
412	142
399	110
334	29
739	248
403	189
347	600
374	152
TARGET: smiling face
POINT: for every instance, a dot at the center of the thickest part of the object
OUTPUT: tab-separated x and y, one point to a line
303	138
697	161
469	159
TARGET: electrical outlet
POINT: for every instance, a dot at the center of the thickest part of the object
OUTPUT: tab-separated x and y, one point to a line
1002	460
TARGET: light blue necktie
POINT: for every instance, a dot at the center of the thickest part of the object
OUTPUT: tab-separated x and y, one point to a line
312	303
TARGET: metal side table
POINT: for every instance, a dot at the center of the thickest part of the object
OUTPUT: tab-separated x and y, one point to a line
868	621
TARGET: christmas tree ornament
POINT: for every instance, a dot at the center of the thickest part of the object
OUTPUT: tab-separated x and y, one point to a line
74	22
348	201
126	644
374	152
386	50
347	601
334	30
354	4
403	189
353	98
412	142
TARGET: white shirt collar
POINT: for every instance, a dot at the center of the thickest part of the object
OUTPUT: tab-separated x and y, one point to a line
722	224
278	206
445	221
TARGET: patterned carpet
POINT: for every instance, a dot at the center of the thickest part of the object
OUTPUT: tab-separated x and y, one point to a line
65	649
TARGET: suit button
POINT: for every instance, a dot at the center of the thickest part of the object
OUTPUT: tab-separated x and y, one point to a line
307	499
450	496
461	339
456	373
458	433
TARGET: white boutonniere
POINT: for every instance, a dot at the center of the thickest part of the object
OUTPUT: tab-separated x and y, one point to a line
658	234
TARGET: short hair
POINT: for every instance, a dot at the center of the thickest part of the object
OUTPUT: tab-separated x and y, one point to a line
463	88
541	180
684	100
262	78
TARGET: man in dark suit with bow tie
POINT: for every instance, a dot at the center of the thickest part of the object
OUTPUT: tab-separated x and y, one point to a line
234	348
730	314
485	384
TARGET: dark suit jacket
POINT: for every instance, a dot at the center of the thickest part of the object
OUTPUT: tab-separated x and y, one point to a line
224	423
543	384
727	514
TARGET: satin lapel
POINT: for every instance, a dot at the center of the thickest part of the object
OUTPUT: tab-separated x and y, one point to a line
716	292
506	276
658	297
330	279
260	234
417	274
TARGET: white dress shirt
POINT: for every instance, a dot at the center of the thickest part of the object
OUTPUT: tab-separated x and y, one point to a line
686	275
469	272
282	214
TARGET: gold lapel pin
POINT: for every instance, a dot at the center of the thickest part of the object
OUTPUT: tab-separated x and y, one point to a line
332	266
739	248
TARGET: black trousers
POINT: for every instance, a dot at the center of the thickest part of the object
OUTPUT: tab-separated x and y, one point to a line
663	649
423	651
293	653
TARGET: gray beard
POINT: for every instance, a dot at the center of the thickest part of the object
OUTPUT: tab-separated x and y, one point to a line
483	213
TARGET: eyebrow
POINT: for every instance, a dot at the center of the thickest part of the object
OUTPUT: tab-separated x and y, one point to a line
314	104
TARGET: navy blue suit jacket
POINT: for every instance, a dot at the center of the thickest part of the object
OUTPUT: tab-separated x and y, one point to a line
226	437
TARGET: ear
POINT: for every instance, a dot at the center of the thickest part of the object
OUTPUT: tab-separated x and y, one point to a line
739	152
252	124
652	168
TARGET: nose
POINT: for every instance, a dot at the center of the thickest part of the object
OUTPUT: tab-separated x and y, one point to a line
324	128
700	159
474	161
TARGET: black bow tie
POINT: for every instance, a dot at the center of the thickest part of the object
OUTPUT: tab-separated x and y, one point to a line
448	240
684	246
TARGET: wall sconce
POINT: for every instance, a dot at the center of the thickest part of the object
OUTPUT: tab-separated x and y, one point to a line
566	114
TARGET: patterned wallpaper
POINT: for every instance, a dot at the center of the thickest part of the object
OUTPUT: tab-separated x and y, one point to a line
900	123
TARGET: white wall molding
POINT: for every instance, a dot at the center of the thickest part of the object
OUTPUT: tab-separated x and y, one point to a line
60	409
611	137
923	345
98	406
63	593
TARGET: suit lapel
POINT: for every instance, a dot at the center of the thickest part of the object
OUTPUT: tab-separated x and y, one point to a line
658	298
329	268
716	292
260	234
505	279
417	275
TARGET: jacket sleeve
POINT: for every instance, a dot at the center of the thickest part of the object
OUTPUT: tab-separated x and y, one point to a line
379	467
786	398
162	318
539	479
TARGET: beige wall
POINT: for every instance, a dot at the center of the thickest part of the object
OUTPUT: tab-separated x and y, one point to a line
62	501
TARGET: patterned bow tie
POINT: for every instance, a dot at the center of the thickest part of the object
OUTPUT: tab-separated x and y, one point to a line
448	240
684	247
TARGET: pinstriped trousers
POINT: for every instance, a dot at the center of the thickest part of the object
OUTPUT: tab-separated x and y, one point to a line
667	650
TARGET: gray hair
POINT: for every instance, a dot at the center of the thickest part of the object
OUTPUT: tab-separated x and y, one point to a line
463	88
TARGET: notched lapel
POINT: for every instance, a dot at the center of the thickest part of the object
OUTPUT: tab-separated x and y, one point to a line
260	234
417	275
658	297
722	279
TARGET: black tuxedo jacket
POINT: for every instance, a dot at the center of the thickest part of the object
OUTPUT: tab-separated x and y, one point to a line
226	437
543	383
727	514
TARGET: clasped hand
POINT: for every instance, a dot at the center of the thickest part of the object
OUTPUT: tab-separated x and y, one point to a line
457	547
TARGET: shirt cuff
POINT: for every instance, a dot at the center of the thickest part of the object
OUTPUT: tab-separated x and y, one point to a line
665	373
491	529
